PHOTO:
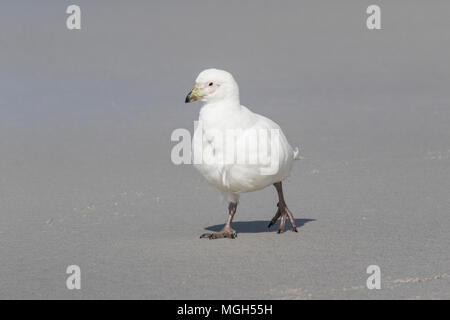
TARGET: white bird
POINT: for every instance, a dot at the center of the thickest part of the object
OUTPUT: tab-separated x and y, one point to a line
230	143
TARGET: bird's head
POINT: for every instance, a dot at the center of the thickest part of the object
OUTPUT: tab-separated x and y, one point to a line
213	85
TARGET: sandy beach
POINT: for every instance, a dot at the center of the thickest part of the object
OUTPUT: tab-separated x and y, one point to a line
86	177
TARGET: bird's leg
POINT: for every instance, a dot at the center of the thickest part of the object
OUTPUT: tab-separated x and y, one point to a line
275	218
282	211
227	231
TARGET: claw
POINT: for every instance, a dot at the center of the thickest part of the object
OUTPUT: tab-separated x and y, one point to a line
294	229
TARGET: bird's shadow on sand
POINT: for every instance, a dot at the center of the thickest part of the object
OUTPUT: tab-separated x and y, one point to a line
257	226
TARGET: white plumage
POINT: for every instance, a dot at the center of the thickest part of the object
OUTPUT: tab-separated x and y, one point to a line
218	116
219	151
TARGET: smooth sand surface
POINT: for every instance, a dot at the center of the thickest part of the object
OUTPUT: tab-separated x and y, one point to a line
85	171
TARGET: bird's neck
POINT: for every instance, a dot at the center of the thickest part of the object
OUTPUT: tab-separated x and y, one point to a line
213	113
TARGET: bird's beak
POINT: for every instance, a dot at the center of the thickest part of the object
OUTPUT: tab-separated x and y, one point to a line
194	95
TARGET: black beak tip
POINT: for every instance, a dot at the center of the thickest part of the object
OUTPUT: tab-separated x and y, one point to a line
188	98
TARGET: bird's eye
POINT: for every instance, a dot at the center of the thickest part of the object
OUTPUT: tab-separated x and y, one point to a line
210	84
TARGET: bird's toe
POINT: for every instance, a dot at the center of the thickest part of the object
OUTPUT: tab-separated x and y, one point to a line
205	235
222	234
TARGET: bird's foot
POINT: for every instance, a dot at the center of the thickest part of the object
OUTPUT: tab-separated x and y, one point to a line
224	233
283	213
294	229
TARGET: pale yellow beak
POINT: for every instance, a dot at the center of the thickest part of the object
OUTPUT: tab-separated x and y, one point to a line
194	95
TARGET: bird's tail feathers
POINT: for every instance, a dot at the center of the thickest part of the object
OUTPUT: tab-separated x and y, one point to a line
297	154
